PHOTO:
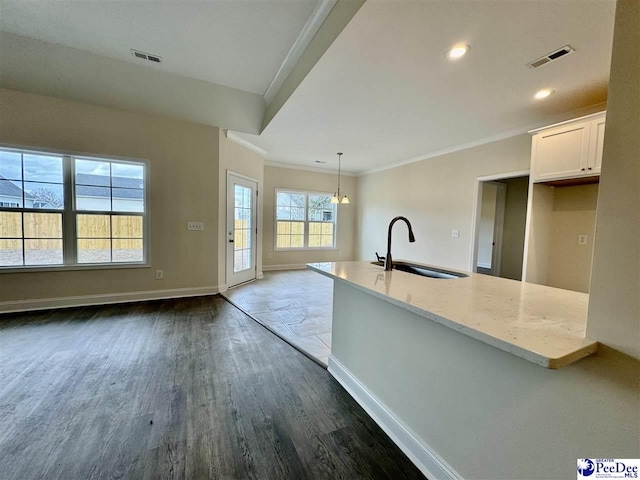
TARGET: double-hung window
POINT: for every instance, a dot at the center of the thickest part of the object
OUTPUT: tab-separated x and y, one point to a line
63	210
305	220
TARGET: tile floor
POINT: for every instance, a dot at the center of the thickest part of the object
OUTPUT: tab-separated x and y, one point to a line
296	305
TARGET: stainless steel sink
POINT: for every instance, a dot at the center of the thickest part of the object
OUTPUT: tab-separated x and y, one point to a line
424	271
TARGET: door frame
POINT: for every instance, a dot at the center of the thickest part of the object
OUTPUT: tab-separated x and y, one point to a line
475	216
229	228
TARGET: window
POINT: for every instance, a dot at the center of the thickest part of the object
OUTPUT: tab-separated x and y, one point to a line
61	210
305	220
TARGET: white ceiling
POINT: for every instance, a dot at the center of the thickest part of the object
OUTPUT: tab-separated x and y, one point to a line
240	44
384	92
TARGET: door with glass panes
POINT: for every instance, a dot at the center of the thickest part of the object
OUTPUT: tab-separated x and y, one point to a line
241	229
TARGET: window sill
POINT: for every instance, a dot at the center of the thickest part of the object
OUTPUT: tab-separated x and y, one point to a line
67	268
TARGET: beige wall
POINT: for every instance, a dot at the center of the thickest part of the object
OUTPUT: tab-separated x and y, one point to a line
515	219
183	168
436	195
278	177
574	213
235	158
614	303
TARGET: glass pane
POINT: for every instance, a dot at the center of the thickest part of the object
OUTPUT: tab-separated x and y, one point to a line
246	259
297	241
10	194
94	226
43	252
10	165
94	251
297	213
42	168
283	213
237	261
125	226
327	228
315	228
314	241
128	250
125	175
282	199
44	195
93	172
326	241
42	225
283	241
247	198
297	228
283	228
10	225
93	198
128	200
10	252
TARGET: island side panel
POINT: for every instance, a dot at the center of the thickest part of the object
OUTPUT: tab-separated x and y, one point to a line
487	413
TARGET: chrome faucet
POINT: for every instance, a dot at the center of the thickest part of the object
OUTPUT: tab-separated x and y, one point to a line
388	261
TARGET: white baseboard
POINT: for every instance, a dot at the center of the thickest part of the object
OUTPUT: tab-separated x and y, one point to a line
260	275
103	299
291	266
422	456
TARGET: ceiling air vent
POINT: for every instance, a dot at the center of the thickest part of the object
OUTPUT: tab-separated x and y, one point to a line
550	57
146	56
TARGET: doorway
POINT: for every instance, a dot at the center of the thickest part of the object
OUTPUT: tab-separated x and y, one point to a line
500	220
241	229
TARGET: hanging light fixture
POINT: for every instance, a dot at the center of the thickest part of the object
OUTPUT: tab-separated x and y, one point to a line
336	196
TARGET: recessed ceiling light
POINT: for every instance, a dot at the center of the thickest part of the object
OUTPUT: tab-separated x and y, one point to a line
544	93
458	51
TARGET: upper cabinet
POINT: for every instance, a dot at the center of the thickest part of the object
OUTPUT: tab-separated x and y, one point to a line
568	150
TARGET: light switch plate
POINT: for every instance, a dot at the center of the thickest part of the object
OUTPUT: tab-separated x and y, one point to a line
195	226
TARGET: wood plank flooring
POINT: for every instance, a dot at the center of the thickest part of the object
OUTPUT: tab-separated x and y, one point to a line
188	388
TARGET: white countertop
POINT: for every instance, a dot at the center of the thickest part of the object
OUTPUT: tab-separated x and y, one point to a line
541	324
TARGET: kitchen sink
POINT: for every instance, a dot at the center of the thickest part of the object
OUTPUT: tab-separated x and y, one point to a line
424	271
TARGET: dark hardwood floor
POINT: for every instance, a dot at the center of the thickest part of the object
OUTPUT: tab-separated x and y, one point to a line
189	388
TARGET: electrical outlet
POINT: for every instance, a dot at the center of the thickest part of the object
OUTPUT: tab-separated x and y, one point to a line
455	233
582	239
269	255
195	226
159	274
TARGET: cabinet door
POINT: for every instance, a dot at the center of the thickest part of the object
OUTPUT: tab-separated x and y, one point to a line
561	152
595	150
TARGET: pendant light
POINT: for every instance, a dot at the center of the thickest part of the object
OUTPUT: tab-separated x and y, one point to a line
336	196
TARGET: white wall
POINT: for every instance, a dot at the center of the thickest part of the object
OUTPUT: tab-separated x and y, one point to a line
295	179
614	302
436	195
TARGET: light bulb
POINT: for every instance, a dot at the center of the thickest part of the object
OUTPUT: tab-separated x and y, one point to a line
458	51
345	199
544	93
334	199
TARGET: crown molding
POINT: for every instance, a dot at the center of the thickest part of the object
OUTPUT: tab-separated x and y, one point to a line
234	137
310	28
292	166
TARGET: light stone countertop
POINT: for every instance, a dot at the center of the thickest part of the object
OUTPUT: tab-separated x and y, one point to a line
541	324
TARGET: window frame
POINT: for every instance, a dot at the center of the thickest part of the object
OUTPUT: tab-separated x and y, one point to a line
306	222
70	213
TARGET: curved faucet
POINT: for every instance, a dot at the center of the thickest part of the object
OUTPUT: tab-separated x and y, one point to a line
388	261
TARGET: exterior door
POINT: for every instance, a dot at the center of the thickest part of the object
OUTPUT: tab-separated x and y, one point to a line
241	229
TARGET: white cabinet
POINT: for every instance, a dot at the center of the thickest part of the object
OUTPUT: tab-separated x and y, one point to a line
568	150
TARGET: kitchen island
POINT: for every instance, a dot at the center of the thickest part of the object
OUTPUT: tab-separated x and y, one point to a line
452	371
541	324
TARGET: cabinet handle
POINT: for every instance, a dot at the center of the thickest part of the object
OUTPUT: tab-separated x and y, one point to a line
582	169
589	168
